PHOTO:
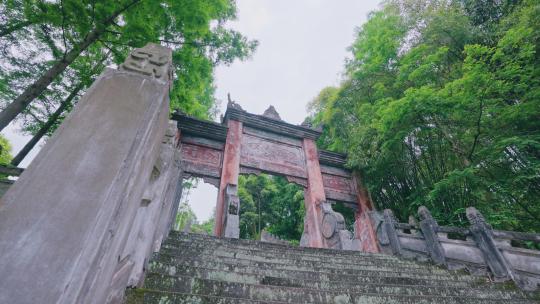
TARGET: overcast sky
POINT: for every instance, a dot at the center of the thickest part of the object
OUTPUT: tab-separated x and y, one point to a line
302	48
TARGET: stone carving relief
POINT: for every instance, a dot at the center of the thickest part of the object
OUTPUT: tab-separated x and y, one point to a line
202	161
232	215
151	60
333	228
269	156
338	188
233	207
477	220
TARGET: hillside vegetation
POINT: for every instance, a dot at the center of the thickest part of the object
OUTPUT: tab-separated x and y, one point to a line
440	106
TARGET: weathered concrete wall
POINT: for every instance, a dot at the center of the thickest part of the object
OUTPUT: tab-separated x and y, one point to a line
65	223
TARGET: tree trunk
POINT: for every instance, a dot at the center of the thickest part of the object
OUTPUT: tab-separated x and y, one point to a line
34	90
46	127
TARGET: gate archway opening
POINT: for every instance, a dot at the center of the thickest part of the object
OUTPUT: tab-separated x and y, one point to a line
196	208
271	208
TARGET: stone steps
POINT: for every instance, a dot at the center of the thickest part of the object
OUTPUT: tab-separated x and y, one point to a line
284	255
176	237
354	270
225	251
190	285
231	283
147	296
309	278
203	269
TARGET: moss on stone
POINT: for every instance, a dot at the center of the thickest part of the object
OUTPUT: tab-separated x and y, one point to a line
135	296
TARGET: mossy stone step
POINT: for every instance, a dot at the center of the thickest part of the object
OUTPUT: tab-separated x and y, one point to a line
148	296
358	270
177	237
253	274
229	284
224	292
224	249
240	265
203	269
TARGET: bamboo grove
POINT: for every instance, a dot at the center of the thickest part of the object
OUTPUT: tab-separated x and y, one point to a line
440	106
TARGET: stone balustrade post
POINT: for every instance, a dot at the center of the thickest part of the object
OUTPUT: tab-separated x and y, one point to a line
483	236
413	223
429	228
390	227
333	229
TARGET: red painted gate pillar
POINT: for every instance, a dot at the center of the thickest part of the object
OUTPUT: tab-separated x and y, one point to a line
364	226
314	194
229	172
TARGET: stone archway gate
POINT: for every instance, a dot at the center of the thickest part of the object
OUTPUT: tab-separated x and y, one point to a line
246	143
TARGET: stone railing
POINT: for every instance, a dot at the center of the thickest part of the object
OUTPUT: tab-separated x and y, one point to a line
267	237
478	249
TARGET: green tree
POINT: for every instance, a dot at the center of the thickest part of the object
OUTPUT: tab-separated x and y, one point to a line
5	151
271	203
438	109
186	215
62	46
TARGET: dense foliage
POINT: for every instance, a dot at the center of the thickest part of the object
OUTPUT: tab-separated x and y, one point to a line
5	151
267	202
51	51
270	203
440	106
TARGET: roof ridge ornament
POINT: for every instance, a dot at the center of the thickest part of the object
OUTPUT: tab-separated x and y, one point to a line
233	104
271	113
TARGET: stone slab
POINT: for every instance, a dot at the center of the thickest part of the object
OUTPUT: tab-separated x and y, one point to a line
64	222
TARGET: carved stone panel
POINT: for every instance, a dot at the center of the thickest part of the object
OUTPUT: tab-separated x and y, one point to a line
335	171
272	157
151	60
338	188
201	161
272	136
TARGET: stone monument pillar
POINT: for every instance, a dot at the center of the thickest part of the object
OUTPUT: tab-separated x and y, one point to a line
65	223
